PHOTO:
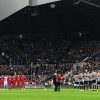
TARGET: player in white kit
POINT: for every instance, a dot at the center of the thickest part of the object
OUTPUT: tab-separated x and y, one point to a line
6	82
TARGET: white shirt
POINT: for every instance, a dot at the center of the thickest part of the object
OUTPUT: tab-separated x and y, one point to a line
5	79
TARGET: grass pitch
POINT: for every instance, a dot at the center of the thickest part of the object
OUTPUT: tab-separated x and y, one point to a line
49	94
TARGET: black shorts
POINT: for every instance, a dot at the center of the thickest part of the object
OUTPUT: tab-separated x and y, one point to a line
81	83
98	82
76	82
90	82
93	81
85	82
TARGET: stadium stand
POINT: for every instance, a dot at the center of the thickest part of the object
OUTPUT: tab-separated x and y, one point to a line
73	54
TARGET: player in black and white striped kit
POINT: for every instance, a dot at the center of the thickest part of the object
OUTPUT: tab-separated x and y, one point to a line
76	82
86	82
98	81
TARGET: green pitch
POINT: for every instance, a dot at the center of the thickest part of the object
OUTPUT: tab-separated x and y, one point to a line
49	94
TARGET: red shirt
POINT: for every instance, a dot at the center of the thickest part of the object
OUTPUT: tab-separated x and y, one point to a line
59	77
22	80
18	80
9	80
2	80
14	81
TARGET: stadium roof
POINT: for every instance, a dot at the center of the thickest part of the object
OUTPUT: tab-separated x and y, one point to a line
59	17
8	7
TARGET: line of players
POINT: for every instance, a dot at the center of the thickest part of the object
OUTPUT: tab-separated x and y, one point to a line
87	80
12	82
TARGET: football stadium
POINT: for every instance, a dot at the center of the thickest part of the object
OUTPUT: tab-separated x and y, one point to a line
49	49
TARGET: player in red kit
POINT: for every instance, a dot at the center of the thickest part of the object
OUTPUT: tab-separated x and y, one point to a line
14	82
22	81
2	82
10	82
18	82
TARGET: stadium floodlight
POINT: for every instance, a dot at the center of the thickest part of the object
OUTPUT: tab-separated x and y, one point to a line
20	36
2	53
52	5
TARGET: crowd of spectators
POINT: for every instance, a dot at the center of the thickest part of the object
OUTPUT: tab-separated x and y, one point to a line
25	51
43	57
35	70
80	50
